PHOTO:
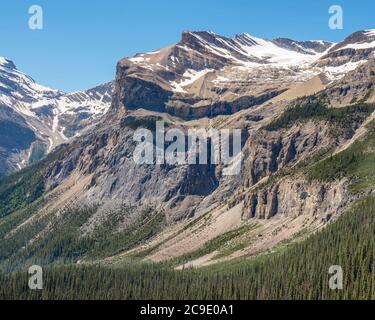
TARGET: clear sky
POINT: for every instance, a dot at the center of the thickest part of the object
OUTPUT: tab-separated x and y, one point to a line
83	39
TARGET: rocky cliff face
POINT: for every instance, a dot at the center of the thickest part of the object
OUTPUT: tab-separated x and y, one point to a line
270	151
295	197
105	157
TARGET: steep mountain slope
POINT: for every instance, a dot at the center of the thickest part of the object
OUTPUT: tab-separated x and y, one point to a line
89	201
47	117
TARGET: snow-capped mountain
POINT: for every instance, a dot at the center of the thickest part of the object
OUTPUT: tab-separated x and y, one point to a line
47	117
206	74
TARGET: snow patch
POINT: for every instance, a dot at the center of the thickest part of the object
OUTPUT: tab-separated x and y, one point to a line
336	73
153	52
189	77
370	32
274	54
358	46
137	59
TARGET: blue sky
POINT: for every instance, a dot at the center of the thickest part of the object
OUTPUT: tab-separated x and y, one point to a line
82	40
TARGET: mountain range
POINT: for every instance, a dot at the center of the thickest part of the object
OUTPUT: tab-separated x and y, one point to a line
35	119
306	113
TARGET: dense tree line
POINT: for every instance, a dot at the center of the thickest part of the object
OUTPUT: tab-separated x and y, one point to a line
344	120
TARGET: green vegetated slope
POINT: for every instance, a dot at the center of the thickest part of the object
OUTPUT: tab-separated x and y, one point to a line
59	239
357	163
343	119
298	272
301	272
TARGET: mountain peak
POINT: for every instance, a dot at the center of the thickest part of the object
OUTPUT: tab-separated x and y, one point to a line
6	63
247	39
202	37
363	39
362	36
